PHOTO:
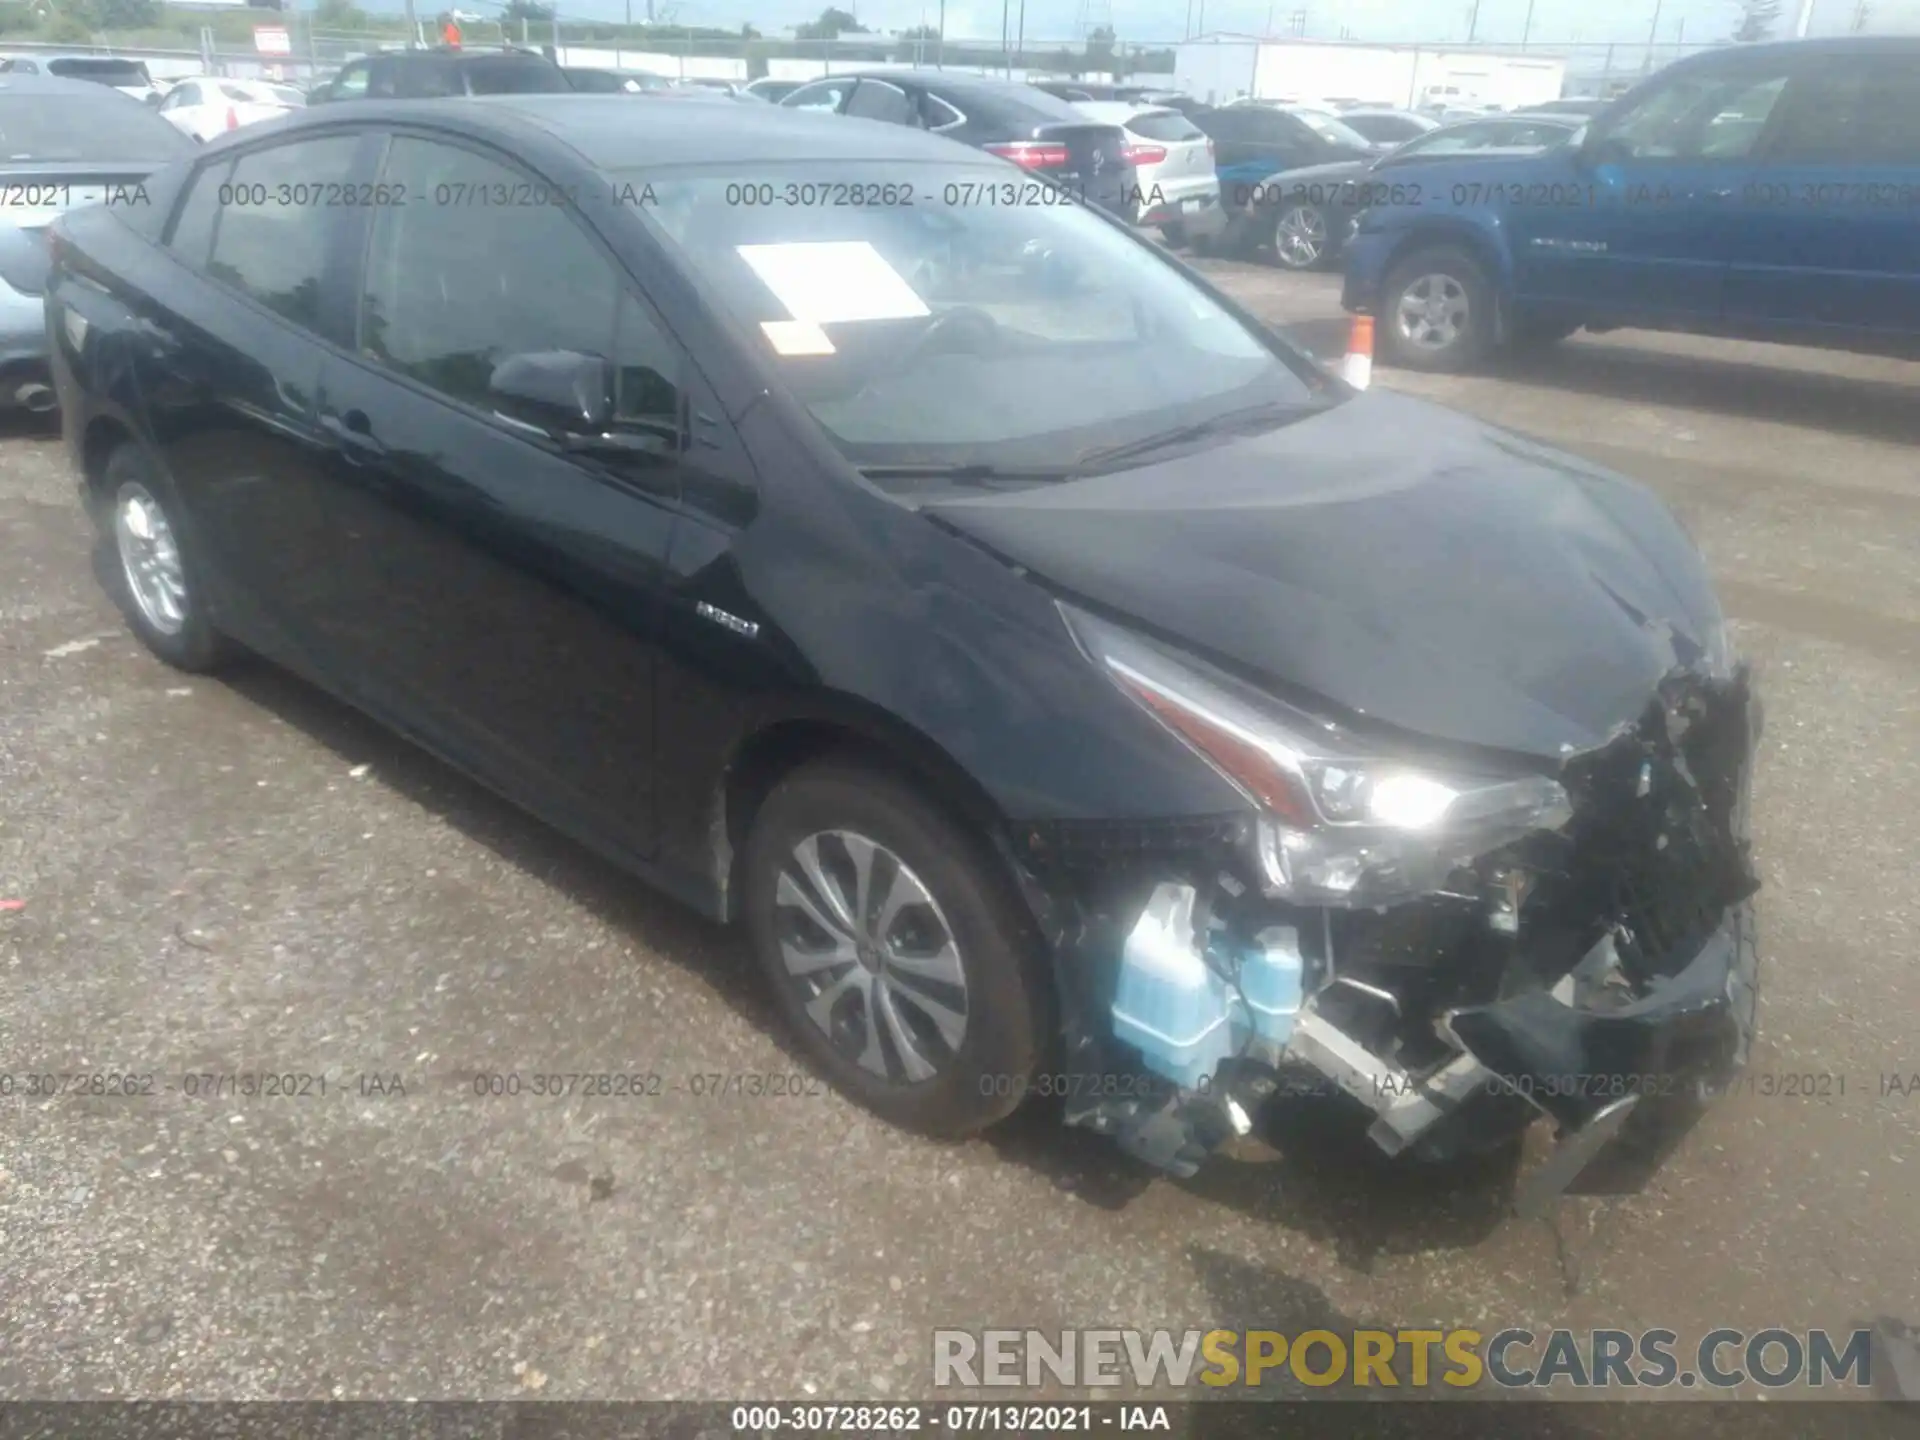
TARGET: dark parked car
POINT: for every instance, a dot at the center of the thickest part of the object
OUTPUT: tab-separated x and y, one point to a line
1386	127
617	82
1580	109
1763	191
129	77
1040	133
1054	672
771	90
63	143
442	71
1308	215
1084	90
1252	143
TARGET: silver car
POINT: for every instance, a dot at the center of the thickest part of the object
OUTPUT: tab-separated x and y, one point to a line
63	144
1179	192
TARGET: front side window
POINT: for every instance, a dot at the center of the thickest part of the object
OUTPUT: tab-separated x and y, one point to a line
454	284
959	332
269	241
1708	115
350	83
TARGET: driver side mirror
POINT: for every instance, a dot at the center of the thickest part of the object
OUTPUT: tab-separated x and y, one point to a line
562	392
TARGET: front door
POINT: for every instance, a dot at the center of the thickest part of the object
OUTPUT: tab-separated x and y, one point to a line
516	615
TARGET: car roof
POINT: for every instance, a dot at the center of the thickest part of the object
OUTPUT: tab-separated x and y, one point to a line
78	55
612	134
981	87
1380	112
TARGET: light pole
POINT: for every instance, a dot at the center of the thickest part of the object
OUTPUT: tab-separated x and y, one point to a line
1653	33
1527	28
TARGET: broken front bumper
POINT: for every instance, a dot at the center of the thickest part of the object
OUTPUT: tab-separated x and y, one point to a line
1602	974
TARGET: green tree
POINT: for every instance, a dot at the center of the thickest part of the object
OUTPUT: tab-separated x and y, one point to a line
339	15
531	11
832	23
1100	48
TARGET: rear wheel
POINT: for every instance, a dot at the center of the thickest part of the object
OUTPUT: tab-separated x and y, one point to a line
1301	237
1436	311
902	962
1175	234
156	575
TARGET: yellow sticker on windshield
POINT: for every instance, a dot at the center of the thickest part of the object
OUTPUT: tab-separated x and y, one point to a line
834	282
796	337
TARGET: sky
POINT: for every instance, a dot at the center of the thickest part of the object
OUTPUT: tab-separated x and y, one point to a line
1560	22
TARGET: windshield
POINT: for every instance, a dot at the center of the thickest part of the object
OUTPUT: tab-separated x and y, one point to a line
110	129
1330	127
944	329
106	72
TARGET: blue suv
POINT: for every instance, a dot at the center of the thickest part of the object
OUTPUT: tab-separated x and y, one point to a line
1766	192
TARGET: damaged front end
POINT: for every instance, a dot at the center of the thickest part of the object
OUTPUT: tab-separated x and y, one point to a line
1458	947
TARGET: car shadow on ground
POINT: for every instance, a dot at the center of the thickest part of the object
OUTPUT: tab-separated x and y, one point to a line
1328	1182
1313	1171
1785	390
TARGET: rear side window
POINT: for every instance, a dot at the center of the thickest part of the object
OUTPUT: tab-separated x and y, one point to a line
1169	126
105	72
509	75
264	247
877	100
1866	112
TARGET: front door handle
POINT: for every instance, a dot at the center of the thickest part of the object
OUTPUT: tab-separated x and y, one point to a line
353	433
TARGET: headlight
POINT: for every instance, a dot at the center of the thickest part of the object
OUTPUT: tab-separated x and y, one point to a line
1341	824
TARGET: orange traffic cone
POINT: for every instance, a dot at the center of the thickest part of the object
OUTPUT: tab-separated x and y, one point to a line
1357	368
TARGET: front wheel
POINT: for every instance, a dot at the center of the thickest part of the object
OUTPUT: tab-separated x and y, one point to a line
1436	311
902	962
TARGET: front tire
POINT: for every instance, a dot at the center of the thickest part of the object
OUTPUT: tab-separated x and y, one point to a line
1436	311
905	966
155	574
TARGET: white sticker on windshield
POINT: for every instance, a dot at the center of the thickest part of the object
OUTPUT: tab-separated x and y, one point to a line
834	282
796	337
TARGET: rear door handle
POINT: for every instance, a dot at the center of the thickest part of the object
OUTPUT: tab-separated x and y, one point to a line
353	433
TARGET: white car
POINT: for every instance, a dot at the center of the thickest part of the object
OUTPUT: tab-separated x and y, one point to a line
1172	168
206	106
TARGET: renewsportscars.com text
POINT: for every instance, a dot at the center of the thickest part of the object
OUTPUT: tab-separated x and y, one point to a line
1513	1358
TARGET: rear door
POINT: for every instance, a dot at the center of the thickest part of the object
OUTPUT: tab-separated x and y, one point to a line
1827	229
229	374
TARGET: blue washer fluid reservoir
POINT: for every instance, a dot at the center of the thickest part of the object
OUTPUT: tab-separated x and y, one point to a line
1270	982
1169	1003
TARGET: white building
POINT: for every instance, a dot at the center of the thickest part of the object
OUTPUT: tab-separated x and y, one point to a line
1219	68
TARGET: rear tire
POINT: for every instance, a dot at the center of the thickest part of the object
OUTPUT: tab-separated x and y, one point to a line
905	966
1175	234
155	571
1436	311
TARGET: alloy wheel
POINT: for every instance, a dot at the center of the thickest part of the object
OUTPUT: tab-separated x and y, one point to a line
1300	236
150	559
1432	312
876	963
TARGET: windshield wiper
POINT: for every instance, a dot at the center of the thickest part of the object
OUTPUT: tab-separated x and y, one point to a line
1249	417
968	474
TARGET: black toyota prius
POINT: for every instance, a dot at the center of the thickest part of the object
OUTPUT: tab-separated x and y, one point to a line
1068	686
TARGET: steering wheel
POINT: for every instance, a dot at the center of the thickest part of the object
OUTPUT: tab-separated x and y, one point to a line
964	329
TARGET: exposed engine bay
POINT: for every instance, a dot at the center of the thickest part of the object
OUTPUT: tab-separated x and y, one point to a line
1595	958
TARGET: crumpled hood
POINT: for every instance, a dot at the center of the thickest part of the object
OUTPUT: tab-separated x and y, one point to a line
1402	561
